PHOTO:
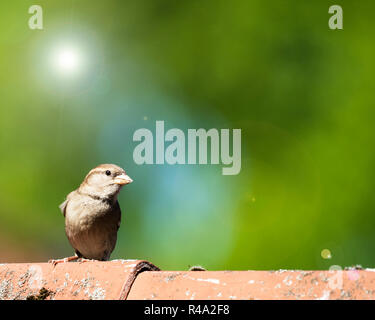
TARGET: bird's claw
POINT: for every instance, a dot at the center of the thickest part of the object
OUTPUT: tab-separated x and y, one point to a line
81	260
55	262
64	260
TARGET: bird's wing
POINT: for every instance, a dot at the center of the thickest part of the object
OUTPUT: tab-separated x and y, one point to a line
117	214
63	206
65	203
111	225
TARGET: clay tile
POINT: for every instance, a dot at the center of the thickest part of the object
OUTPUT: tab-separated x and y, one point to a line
137	279
72	280
267	285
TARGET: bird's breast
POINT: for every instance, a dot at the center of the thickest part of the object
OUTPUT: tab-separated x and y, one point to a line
84	213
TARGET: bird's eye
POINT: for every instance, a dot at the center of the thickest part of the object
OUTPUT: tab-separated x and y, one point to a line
108	173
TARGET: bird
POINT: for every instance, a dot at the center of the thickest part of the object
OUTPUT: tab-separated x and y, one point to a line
93	215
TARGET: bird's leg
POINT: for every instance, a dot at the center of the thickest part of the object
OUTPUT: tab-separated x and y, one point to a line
80	260
64	260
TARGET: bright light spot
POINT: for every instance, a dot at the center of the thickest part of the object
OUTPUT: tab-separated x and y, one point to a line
326	254
67	60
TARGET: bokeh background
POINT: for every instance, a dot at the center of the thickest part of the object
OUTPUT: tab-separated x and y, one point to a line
302	94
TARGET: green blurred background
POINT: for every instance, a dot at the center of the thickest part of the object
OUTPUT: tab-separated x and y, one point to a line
302	94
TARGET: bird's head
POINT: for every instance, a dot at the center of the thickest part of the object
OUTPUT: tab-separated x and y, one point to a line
105	181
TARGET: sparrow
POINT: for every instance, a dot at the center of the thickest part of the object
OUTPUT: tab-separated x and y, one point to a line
92	214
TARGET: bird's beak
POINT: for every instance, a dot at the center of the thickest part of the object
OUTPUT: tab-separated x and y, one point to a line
123	179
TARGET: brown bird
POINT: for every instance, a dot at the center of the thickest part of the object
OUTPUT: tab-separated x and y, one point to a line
92	213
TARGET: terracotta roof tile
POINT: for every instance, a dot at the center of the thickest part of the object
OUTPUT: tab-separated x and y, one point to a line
72	280
136	279
270	285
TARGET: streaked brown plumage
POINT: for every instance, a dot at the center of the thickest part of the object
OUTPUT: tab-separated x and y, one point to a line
92	213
